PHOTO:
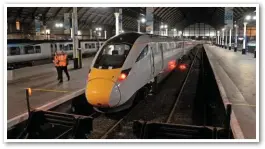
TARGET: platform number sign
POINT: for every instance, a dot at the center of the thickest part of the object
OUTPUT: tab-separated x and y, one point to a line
228	17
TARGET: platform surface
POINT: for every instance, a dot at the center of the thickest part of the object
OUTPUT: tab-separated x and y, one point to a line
45	90
237	74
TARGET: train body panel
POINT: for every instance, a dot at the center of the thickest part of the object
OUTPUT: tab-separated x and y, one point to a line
140	59
30	51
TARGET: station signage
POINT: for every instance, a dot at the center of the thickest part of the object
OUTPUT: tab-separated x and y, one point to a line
228	17
67	24
150	20
37	25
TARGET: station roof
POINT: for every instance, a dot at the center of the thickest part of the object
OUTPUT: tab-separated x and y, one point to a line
179	17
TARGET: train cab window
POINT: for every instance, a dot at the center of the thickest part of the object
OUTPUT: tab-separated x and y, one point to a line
38	49
112	55
93	45
142	54
29	50
14	51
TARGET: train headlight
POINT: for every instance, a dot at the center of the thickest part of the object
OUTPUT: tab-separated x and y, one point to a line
122	76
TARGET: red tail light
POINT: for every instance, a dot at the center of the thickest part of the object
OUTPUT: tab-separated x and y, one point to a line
182	67
122	76
172	65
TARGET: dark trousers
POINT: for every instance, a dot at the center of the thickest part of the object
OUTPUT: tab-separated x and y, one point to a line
61	69
58	72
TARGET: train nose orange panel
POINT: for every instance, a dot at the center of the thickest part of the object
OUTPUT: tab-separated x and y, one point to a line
98	92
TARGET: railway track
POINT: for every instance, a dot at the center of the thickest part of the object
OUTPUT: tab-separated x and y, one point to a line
123	128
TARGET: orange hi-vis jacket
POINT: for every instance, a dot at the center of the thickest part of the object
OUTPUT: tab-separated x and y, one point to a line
56	61
62	60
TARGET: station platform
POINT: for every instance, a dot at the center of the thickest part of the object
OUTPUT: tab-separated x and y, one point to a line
236	78
46	91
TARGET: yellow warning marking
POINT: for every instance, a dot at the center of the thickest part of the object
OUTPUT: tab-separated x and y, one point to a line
48	90
244	105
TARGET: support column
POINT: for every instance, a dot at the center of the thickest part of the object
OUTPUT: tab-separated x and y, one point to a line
225	39
230	38
218	36
90	33
244	40
117	22
139	26
75	39
166	33
105	32
235	46
45	33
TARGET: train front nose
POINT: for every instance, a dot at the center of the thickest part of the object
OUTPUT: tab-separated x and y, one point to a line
102	93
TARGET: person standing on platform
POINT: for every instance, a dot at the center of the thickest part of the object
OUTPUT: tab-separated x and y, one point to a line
63	62
56	64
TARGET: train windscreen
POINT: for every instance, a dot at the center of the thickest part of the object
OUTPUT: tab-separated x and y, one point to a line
112	55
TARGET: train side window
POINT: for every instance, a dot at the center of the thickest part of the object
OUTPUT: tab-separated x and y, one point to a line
55	47
142	54
14	51
172	45
165	46
86	46
71	46
51	47
89	46
38	49
29	50
93	45
61	47
97	45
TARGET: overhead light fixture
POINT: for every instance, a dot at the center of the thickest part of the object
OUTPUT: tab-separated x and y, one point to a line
223	29
47	31
248	17
235	25
59	25
165	26
161	26
254	17
143	20
79	32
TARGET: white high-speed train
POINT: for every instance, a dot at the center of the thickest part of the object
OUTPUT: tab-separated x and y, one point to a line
126	64
26	53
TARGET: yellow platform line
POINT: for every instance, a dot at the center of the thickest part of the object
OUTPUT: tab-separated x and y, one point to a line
243	105
48	90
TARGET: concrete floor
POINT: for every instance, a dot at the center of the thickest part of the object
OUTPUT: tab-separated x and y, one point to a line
237	74
45	89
